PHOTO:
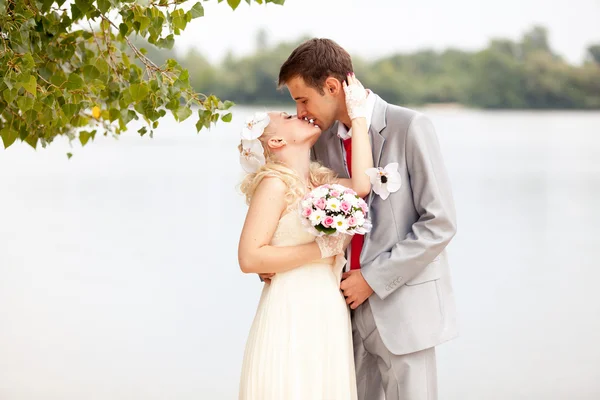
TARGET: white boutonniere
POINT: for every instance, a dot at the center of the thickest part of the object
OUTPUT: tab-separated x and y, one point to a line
385	180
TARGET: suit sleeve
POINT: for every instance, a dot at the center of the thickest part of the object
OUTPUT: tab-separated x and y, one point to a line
432	197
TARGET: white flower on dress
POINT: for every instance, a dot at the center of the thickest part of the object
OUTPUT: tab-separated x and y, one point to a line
385	180
255	126
252	156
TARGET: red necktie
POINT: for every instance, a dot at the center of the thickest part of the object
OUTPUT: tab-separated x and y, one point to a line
356	244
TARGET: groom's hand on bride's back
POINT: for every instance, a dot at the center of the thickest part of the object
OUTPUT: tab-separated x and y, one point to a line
266	278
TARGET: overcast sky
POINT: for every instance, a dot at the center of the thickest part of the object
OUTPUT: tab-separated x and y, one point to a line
371	28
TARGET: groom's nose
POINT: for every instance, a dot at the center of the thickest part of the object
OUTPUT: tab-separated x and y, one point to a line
301	113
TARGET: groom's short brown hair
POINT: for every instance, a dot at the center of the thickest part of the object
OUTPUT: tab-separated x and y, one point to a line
314	61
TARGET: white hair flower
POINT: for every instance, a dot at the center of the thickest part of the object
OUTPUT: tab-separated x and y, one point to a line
255	125
252	156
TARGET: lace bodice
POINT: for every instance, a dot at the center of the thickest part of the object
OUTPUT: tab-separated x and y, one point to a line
290	230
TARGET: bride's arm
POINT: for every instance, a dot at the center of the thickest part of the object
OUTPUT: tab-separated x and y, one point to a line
255	255
362	157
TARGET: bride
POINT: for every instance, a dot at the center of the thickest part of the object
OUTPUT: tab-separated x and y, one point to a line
300	343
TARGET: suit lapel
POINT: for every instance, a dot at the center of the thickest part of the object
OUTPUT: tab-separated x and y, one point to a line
378	124
334	152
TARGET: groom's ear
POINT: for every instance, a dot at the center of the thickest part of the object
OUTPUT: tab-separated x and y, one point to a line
333	86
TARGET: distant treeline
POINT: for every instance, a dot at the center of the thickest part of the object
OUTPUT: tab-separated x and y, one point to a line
505	75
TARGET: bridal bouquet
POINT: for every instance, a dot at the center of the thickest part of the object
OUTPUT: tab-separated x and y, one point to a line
334	209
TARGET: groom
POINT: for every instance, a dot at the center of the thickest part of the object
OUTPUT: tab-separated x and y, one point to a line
398	281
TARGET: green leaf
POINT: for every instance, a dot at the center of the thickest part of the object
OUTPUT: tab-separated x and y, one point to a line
113	114
75	81
103	5
197	10
233	3
199	125
123	29
144	23
102	65
179	21
183	113
227	105
30	85
83	5
128	115
32	140
138	91
70	109
9	95
46	5
91	72
69	155
84	137
58	79
227	117
25	103
75	12
166	43
142	131
8	81
8	136
27	61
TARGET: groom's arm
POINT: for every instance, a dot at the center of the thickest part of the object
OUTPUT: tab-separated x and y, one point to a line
433	201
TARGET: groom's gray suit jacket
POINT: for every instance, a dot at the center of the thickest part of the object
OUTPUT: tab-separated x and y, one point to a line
404	258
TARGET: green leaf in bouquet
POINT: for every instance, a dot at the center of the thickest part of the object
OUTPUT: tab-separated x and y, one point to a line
327	231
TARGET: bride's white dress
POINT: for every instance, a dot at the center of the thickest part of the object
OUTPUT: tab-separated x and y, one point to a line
300	343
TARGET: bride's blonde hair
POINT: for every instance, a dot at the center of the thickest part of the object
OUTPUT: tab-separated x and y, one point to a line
318	174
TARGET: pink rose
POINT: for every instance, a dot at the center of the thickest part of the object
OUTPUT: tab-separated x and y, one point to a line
349	191
363	207
327	222
352	221
307	212
320	203
334	193
346	206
